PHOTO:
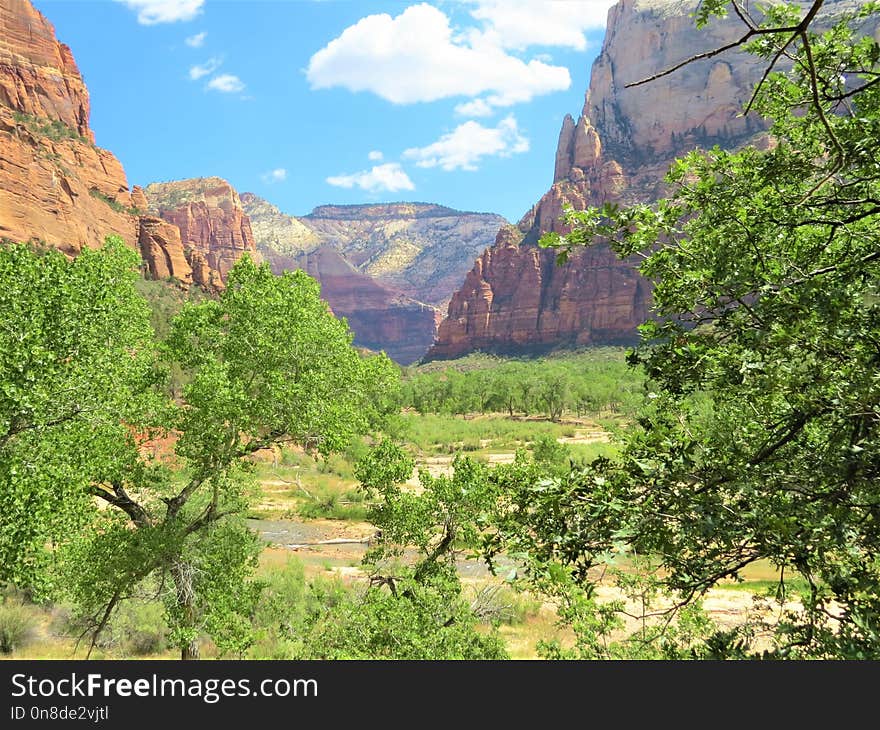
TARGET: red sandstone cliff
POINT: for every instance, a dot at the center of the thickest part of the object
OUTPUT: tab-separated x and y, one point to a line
214	229
516	299
55	184
57	187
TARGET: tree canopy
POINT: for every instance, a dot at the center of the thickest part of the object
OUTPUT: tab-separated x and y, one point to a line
85	403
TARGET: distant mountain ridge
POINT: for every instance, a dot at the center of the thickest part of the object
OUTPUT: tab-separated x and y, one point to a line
382	266
419	249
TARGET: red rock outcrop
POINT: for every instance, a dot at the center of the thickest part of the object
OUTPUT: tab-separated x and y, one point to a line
214	229
162	251
515	299
56	186
380	317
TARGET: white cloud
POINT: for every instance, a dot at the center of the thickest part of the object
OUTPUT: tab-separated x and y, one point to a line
374	155
226	83
279	174
414	57
151	12
518	24
197	40
208	67
475	108
388	177
463	148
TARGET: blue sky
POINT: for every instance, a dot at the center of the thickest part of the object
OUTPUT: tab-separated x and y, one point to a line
309	102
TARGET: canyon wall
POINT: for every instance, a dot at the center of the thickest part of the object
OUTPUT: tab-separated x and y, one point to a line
61	190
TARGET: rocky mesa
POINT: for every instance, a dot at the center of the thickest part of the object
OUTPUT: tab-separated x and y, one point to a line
515	299
384	267
419	249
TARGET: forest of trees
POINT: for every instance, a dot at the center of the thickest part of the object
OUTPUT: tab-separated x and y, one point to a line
589	383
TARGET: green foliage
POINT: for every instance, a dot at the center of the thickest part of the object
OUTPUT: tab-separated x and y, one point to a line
18	626
448	434
75	365
547	451
588	382
422	621
115	204
54	129
760	441
83	382
140	629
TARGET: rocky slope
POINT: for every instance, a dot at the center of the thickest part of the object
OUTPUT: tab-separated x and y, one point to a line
380	317
516	299
419	249
214	229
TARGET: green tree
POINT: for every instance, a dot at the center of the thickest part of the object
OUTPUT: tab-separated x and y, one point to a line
76	364
264	363
761	439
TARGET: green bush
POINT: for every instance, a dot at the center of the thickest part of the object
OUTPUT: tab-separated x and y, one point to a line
18	627
140	629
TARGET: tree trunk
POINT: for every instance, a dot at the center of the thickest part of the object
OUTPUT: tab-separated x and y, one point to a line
183	579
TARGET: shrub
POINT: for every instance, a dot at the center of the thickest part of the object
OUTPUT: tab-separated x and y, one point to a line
18	627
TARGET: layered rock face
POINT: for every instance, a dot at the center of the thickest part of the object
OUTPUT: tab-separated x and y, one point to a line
382	266
419	249
379	317
516	299
56	186
214	229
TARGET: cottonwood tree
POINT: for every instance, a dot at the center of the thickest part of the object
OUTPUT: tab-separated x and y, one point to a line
76	364
265	362
760	440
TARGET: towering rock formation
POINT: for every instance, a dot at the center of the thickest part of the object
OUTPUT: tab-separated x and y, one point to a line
214	229
56	186
516	299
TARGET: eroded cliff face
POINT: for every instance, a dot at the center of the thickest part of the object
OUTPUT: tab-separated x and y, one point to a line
214	229
515	299
56	186
386	267
420	249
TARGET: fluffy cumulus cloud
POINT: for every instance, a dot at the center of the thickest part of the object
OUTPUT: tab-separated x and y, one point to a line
374	155
279	174
226	83
204	69
152	12
197	40
389	177
463	148
517	24
416	57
